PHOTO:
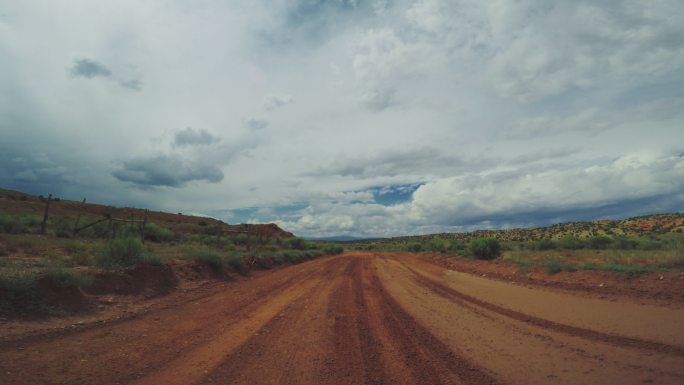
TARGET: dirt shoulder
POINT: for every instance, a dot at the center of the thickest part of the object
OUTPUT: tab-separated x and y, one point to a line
661	288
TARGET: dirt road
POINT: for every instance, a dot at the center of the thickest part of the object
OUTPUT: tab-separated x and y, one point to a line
365	318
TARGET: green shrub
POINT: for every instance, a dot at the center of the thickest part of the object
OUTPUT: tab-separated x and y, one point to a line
236	262
64	277
648	244
457	245
571	242
414	247
12	225
437	245
545	244
62	227
333	249
485	248
209	257
156	233
296	243
624	243
290	256
121	252
599	242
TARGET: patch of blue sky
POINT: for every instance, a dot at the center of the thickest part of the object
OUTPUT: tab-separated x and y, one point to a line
394	194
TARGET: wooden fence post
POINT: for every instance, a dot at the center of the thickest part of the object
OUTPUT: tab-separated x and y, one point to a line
43	226
142	228
78	218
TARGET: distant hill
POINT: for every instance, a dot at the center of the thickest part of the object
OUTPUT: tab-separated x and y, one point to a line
19	203
656	224
340	238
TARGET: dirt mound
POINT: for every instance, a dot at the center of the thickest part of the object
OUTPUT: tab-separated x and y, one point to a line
143	278
67	298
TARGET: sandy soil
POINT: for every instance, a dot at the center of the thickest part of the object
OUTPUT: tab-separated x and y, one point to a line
362	318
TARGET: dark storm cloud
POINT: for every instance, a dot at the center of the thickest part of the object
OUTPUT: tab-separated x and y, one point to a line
192	137
89	68
166	170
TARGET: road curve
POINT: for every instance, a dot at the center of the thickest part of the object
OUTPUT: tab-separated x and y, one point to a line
365	318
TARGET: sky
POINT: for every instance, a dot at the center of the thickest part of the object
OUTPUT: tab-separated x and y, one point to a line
348	117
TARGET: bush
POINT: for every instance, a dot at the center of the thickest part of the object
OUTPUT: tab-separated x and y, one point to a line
12	225
333	249
290	256
62	227
648	244
457	245
599	242
209	257
121	252
414	247
624	243
237	263
571	242
437	245
63	277
485	248
156	233
545	244
296	243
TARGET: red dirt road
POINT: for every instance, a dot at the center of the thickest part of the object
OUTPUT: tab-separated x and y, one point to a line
364	318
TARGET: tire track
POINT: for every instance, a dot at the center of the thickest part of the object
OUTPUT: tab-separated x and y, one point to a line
617	340
436	362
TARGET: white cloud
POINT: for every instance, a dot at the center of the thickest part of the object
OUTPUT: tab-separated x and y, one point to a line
466	98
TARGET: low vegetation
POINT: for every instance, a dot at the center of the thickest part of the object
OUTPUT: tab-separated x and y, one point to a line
617	253
65	259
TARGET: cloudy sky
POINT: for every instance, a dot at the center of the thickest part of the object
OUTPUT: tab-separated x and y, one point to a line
348	117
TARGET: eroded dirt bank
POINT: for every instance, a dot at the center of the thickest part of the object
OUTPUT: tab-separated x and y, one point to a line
364	318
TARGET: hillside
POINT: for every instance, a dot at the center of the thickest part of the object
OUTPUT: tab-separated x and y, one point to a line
19	203
656	224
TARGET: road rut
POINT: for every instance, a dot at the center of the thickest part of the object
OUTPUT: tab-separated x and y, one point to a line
365	318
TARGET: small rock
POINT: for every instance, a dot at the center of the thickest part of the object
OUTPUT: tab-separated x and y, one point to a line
601	284
661	278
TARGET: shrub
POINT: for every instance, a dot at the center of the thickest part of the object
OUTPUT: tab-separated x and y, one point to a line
62	227
485	248
571	242
437	245
296	243
545	244
457	245
414	247
12	225
236	262
648	244
121	252
290	256
156	233
599	242
624	243
63	277
333	249
209	257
